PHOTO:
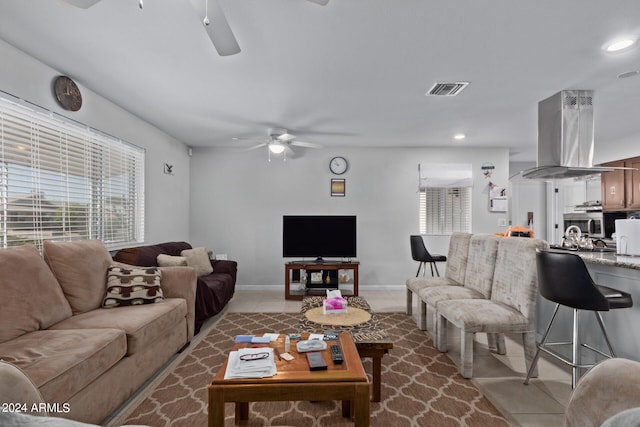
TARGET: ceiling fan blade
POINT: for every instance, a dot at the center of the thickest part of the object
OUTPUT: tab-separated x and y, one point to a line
219	30
290	153
255	147
83	4
320	2
305	144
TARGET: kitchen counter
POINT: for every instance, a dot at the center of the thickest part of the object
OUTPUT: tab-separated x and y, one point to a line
610	259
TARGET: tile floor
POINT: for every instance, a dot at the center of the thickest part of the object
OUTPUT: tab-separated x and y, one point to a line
541	403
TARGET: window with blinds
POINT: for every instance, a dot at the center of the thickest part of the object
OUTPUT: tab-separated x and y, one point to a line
444	210
63	181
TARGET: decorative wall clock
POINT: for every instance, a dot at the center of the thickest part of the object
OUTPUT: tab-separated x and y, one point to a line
67	93
338	165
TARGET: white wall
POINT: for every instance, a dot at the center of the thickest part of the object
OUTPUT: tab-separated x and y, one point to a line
238	199
167	197
622	148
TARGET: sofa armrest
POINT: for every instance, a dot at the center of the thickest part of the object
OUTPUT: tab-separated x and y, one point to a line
605	390
225	267
17	388
180	282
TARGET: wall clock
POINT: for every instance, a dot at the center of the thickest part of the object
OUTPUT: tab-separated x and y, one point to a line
67	93
338	165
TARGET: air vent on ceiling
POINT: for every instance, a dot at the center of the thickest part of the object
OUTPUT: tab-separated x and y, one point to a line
447	88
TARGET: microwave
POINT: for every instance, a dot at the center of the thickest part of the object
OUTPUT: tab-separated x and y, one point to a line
589	223
597	224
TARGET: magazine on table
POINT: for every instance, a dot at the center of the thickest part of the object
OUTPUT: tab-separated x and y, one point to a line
251	363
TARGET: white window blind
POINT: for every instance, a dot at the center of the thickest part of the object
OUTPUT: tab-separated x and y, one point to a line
63	181
444	198
445	210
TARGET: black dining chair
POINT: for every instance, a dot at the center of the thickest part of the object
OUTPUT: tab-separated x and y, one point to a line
420	253
563	278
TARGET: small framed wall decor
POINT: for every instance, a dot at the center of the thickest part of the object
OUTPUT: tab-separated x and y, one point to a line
337	187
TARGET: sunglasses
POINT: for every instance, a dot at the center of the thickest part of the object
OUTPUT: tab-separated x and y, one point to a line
254	356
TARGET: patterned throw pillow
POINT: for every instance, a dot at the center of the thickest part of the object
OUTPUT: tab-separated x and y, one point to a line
132	286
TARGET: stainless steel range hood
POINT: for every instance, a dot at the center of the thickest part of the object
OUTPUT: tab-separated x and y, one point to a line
565	137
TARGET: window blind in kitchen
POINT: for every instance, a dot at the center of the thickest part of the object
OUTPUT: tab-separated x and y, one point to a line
60	180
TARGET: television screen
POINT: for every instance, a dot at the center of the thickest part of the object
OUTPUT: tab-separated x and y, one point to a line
319	236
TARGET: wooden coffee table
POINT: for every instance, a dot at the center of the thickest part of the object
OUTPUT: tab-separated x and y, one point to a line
294	381
370	337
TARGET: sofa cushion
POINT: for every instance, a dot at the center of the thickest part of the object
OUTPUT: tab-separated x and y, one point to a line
81	269
143	324
31	296
132	286
171	261
61	363
198	259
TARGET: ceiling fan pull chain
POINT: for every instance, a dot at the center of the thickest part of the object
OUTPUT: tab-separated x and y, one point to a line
206	13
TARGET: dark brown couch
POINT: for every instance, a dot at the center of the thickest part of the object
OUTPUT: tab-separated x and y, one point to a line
213	291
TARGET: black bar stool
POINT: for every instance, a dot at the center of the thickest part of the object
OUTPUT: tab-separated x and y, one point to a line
419	253
563	278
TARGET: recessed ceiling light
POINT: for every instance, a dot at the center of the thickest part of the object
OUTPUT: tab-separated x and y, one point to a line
459	136
619	44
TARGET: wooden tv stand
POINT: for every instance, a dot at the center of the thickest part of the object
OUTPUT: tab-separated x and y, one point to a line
330	269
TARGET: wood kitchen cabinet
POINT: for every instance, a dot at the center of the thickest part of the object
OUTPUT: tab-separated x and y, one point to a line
613	187
632	183
621	188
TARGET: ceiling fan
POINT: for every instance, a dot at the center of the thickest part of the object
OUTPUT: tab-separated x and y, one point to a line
217	26
280	141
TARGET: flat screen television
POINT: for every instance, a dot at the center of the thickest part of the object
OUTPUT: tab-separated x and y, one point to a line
319	236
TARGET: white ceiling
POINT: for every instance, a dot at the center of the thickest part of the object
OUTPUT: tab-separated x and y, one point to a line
350	74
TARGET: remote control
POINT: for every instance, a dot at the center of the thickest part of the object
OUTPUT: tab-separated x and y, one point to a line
336	354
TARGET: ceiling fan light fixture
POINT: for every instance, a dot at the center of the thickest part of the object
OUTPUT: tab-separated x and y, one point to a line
276	148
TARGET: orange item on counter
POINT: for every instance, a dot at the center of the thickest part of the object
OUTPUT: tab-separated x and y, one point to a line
519	231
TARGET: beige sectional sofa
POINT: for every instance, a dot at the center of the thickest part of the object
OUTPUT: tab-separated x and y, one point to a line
86	359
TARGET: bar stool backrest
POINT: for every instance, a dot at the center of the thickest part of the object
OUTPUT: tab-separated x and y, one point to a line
419	251
564	279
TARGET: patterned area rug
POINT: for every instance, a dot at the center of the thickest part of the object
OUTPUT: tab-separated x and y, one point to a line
420	386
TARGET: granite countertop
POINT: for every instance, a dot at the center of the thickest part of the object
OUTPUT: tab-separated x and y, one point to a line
611	259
